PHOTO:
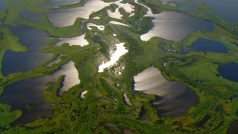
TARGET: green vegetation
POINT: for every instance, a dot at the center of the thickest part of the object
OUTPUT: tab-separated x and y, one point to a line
103	109
8	42
7	116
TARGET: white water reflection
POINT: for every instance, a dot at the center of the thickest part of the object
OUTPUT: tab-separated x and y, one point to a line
120	51
67	17
82	96
174	98
118	23
71	76
99	27
174	26
30	92
78	41
126	99
115	15
126	6
96	18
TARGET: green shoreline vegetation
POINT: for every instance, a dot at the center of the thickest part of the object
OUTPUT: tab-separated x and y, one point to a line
104	106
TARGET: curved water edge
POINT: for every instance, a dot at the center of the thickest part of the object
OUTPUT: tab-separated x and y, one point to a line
229	71
30	59
227	10
173	98
78	41
67	17
209	46
22	95
202	45
58	3
175	26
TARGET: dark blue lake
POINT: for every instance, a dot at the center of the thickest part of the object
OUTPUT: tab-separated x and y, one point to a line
22	95
229	71
209	46
226	9
21	62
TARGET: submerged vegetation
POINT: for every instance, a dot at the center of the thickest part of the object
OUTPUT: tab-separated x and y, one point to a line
103	109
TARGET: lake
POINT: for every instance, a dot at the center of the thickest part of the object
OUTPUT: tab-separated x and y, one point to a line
229	71
67	17
207	45
34	40
225	9
175	26
21	95
173	98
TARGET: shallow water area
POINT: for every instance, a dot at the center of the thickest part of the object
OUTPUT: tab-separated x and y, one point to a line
173	98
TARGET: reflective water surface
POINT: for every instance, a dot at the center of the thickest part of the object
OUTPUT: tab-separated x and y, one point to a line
175	26
28	95
173	98
67	17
